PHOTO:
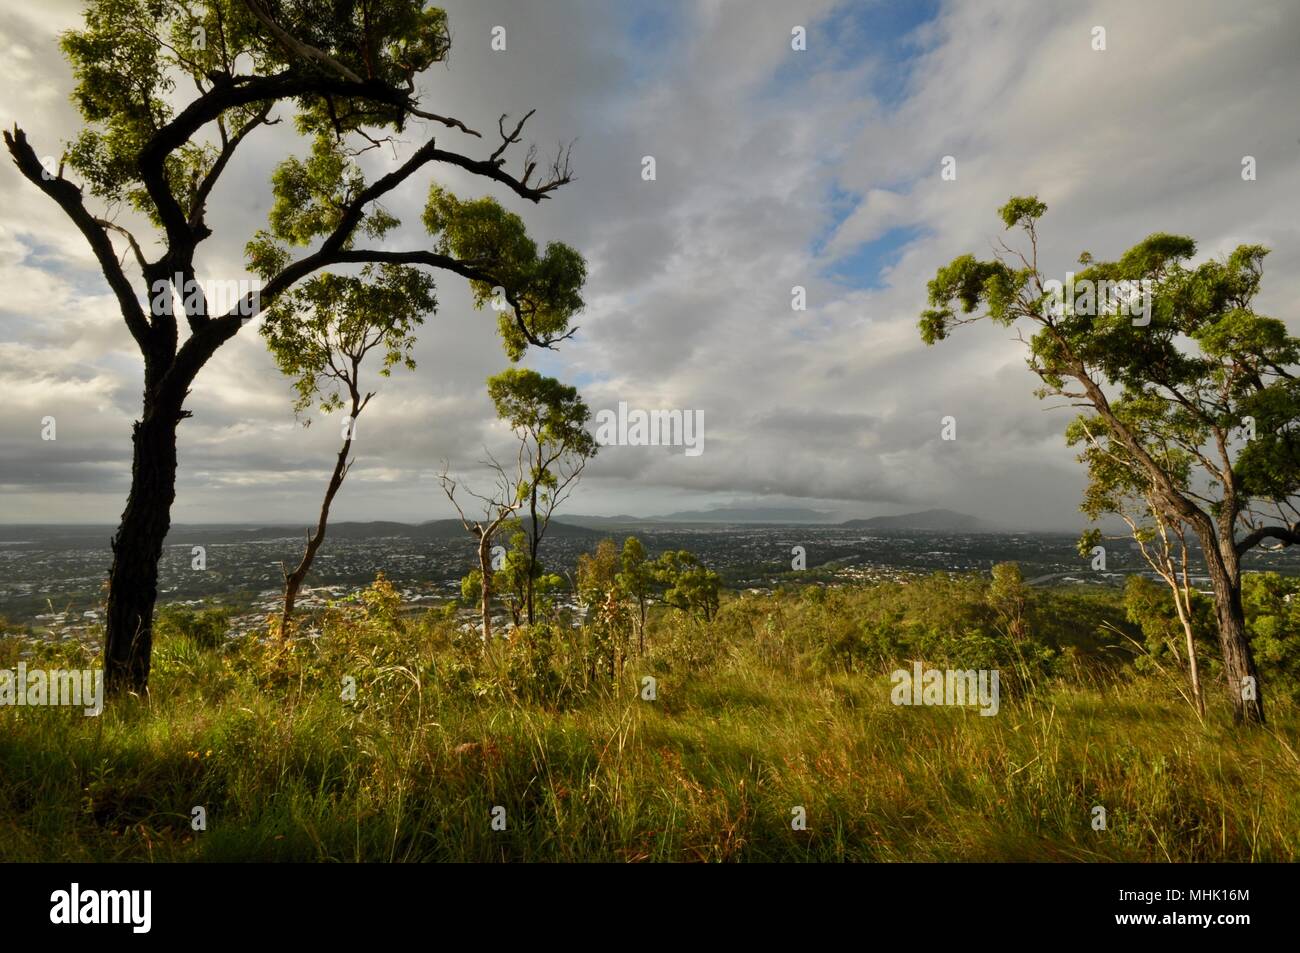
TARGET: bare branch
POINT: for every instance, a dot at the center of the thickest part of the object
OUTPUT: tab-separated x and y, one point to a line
68	197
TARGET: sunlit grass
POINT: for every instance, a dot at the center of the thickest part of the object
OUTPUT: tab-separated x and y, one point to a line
711	770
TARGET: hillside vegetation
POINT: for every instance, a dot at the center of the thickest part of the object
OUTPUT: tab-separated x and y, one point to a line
775	703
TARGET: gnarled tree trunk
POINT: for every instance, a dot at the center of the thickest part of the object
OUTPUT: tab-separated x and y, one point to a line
137	547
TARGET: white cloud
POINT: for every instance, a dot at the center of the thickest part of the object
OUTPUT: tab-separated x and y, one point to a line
690	276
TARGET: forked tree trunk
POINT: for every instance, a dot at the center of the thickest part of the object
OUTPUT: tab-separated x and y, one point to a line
137	547
293	581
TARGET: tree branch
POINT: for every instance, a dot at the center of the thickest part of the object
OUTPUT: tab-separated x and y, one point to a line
68	197
1289	535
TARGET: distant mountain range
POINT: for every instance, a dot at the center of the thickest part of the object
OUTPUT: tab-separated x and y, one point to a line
431	529
571	526
946	520
936	520
579	526
725	515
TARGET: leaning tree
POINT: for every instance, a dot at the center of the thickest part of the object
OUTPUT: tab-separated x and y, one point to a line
320	334
169	90
1166	394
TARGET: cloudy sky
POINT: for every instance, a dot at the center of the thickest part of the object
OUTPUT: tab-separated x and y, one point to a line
774	168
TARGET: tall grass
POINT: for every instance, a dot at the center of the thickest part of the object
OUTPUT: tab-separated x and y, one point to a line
740	734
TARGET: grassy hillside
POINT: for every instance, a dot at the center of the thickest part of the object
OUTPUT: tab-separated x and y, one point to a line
758	712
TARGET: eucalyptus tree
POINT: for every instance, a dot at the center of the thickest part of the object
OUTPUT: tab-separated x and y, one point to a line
1195	371
691	586
168	91
519	571
498	507
550	420
320	333
1119	486
636	578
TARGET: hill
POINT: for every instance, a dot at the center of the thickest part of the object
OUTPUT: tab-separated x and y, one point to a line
928	520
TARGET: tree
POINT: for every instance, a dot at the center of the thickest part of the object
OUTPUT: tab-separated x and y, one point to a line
518	570
1273	614
499	506
692	587
1166	615
550	420
1008	597
348	75
320	333
1118	485
606	615
637	580
1195	366
598	574
510	579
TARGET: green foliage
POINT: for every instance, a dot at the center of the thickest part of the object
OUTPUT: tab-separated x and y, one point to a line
511	581
551	419
1204	363
543	406
471	587
689	585
320	332
132	55
382	603
636	579
538	670
546	287
1150	606
205	628
1166	390
636	575
598	574
1272	605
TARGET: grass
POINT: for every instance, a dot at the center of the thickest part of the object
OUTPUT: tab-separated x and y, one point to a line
709	771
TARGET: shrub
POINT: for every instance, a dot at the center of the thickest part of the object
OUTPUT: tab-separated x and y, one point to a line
205	628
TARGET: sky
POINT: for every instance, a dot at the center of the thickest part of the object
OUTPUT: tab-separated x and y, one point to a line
774	168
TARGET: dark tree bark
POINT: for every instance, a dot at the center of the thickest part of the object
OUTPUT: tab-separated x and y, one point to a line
1224	566
137	547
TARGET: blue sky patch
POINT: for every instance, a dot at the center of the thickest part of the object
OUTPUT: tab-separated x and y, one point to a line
862	267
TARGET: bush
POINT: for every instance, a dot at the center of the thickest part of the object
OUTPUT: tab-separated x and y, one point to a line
206	628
